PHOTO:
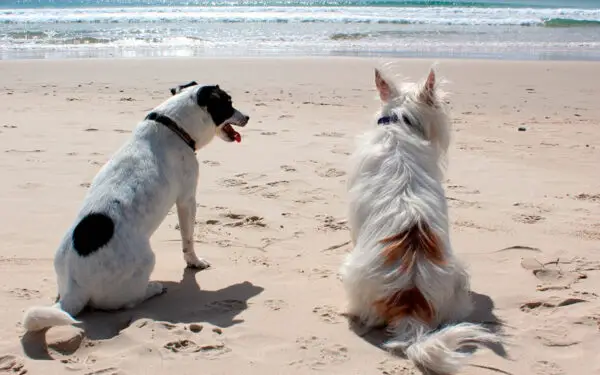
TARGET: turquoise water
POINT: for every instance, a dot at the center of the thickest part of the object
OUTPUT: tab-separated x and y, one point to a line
529	29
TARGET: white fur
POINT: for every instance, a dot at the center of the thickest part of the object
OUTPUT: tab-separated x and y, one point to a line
395	180
150	173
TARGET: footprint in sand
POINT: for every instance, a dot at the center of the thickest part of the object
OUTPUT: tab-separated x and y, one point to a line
472	225
462	189
182	346
528	219
341	152
392	367
555	336
316	273
587	234
11	364
549	303
588	197
331	223
277	183
106	371
253	189
23	293
245	221
555	275
547	368
211	163
329	172
457	202
317	353
287	168
250	176
232	182
330	134
328	314
226	305
540	209
589	321
314	195
259	260
36	151
275	304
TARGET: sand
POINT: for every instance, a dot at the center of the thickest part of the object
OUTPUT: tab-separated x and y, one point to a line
524	208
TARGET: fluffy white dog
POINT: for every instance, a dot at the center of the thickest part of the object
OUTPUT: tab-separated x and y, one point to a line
105	259
402	272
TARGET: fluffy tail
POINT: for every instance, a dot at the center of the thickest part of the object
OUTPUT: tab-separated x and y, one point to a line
41	317
438	351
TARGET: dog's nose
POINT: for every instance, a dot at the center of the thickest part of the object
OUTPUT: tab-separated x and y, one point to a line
247	118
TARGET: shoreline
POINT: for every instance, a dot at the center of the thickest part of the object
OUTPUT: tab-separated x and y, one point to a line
587	56
322	58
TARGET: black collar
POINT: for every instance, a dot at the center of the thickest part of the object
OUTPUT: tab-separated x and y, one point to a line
393	119
162	119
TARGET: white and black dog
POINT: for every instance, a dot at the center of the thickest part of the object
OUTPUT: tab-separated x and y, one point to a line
105	259
402	271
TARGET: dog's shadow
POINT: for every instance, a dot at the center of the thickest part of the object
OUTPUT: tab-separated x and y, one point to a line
183	302
483	313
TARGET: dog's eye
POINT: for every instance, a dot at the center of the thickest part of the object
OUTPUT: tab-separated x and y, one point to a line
406	120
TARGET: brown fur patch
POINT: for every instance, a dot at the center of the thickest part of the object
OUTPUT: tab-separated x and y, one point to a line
407	244
405	303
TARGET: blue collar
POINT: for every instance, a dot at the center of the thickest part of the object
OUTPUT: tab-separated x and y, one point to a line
386	120
393	119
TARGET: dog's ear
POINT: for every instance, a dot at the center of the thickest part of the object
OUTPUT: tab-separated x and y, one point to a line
387	90
204	94
177	90
427	94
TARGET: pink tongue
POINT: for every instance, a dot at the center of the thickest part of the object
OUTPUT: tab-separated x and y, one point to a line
237	137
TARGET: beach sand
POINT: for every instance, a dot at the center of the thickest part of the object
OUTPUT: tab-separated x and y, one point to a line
524	211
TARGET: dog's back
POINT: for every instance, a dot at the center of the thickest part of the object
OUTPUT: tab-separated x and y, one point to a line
402	271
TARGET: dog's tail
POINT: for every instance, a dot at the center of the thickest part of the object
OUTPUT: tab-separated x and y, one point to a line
60	314
439	351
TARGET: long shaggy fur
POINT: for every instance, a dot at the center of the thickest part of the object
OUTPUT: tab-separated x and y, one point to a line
402	271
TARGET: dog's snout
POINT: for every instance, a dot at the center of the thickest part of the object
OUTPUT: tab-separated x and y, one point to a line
246	118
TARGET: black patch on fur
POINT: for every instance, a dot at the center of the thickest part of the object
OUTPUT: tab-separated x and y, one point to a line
217	102
93	232
181	87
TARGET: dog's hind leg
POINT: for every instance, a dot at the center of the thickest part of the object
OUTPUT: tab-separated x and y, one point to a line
462	304
153	289
186	211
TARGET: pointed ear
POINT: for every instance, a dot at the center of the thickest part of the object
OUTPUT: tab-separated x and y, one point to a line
427	94
386	89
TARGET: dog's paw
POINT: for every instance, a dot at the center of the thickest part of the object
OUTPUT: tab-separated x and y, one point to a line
197	263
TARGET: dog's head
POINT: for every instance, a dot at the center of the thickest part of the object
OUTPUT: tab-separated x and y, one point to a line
208	105
417	107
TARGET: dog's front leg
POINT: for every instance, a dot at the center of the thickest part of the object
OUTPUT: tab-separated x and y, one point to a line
186	210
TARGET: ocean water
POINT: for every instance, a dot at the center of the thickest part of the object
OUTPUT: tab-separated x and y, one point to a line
526	29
